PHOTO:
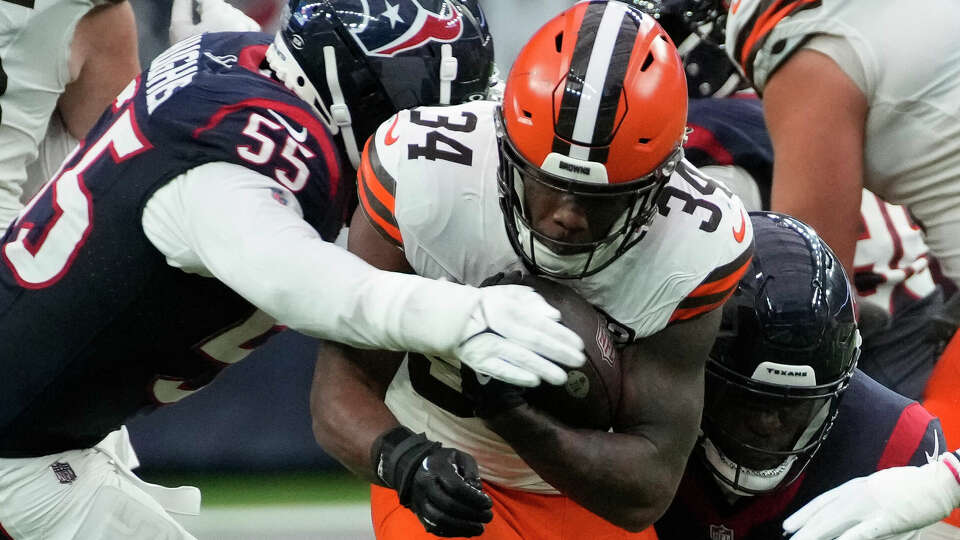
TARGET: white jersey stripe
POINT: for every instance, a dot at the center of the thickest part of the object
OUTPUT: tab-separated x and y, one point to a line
596	75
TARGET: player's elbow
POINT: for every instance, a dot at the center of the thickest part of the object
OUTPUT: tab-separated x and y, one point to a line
639	511
633	519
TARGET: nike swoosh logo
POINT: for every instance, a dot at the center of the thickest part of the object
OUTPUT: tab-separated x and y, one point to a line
738	235
936	449
390	138
299	136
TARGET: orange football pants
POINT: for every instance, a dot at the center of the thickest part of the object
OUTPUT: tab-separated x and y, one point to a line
942	399
517	515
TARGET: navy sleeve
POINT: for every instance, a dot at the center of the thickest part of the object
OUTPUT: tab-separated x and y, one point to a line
916	435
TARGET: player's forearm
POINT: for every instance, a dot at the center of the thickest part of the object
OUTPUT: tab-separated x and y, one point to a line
348	410
617	476
242	228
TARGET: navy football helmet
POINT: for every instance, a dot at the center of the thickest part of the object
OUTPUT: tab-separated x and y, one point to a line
360	61
697	27
787	348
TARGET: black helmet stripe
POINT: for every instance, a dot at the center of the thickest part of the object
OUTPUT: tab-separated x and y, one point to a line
600	60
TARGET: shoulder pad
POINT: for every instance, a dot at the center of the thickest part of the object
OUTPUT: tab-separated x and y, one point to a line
750	25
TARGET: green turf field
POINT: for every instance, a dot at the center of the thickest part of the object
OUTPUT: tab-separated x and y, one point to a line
277	488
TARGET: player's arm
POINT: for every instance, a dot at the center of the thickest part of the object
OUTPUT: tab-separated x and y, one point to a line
883	505
628	477
346	400
103	60
352	423
246	230
816	116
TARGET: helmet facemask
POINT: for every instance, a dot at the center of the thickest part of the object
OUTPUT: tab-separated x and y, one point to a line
760	437
615	214
705	18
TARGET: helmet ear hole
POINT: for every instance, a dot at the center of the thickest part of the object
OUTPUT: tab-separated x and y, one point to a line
559	41
301	81
647	61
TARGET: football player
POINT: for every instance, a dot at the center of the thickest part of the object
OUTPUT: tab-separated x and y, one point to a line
870	116
61	63
901	314
578	176
787	415
194	222
900	307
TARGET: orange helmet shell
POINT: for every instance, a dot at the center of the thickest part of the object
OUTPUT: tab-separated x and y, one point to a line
603	83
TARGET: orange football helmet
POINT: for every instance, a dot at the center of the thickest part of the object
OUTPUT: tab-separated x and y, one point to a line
594	109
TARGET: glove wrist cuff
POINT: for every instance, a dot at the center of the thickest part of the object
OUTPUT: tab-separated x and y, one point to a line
396	455
952	462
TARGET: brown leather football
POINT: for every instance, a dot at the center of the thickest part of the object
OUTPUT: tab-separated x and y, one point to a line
591	396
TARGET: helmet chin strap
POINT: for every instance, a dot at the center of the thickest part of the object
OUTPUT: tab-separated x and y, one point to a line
337	118
339	112
448	72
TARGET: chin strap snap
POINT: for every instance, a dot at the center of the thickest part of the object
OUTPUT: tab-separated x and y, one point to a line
448	72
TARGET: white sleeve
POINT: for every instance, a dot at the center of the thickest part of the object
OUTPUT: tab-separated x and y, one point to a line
839	49
232	223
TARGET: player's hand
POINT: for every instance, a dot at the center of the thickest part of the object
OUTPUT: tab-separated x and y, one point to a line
490	397
892	503
515	336
441	486
192	17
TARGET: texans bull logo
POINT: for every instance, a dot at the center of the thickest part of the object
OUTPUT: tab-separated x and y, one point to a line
410	26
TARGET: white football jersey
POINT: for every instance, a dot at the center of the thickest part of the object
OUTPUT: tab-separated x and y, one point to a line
892	265
428	183
909	66
34	51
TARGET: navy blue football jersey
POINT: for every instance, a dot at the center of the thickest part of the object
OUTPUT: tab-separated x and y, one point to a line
94	324
875	428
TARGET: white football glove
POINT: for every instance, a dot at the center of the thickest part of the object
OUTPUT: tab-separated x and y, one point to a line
192	17
511	334
890	504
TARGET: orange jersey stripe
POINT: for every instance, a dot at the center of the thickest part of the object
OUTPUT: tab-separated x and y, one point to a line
378	222
765	24
370	180
377	201
684	314
722	284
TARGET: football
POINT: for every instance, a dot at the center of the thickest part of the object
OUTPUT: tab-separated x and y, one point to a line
591	396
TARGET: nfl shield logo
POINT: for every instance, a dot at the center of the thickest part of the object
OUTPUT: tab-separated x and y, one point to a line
719	532
64	472
389	27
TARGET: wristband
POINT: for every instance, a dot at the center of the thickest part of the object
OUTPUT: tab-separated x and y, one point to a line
953	464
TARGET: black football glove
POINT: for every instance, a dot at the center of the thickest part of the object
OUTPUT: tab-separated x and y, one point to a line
440	485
